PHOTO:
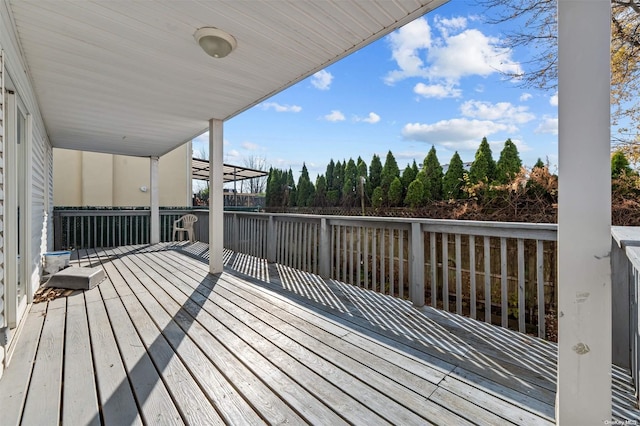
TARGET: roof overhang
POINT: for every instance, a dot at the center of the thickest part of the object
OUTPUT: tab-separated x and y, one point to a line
127	77
230	173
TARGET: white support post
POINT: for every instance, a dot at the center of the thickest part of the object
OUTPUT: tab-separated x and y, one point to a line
154	238
584	215
216	198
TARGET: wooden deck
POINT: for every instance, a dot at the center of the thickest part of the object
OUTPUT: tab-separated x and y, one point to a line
162	342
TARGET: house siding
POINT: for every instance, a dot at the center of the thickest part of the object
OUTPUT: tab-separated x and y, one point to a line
39	162
3	322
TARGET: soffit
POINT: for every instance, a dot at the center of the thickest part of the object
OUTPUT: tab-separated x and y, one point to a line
127	77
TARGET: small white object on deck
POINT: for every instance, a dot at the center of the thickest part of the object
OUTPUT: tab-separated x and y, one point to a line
77	278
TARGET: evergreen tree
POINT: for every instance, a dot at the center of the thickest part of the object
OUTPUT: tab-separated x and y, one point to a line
408	176
415	194
291	193
509	163
375	175
539	164
390	171
377	198
305	192
350	184
329	174
395	192
619	164
434	174
453	179
483	167
321	192
426	193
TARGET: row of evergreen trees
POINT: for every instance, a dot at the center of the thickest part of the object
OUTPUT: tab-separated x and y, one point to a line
345	184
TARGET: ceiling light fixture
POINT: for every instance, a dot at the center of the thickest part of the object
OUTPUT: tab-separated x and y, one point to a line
215	42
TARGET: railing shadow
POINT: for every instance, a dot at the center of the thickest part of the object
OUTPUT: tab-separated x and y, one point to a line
112	410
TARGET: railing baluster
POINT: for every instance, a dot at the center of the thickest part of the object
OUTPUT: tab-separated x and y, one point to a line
392	261
504	283
344	254
487	279
445	271
434	269
401	263
458	274
521	287
334	251
367	240
359	256
383	260
472	277
374	259
540	287
351	255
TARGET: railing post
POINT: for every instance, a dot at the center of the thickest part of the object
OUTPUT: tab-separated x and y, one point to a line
620	301
325	249
57	230
271	240
416	265
236	233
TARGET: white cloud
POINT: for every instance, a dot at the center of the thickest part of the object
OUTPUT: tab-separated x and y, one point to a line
335	115
445	25
281	108
470	53
553	100
501	111
372	118
322	80
438	91
406	44
458	52
457	133
525	97
233	153
250	146
548	125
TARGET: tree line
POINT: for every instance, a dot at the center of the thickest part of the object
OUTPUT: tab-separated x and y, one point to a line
352	183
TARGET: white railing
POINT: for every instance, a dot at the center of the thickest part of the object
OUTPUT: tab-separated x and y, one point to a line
625	278
498	272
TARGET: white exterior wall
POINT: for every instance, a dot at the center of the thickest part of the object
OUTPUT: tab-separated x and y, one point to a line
39	162
3	321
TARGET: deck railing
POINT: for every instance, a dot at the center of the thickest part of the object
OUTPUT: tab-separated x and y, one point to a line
625	279
503	273
90	228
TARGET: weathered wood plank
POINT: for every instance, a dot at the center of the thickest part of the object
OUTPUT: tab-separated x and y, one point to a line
316	383
45	390
15	380
116	397
156	405
80	398
191	400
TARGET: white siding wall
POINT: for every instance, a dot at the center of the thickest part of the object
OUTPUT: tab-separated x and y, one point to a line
2	316
41	163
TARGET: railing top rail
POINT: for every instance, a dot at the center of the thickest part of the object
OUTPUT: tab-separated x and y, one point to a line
540	231
79	213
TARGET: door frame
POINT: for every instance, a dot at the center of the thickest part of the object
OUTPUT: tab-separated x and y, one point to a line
17	176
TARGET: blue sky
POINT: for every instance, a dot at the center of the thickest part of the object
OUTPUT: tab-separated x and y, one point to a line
435	81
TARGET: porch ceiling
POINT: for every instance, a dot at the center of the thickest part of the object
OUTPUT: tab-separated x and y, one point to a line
127	77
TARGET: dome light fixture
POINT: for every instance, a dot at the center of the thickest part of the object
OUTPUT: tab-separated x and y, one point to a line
215	42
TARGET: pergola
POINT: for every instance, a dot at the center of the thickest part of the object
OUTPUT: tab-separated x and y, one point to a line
127	77
200	170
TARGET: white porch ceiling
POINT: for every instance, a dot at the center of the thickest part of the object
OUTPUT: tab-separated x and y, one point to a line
126	77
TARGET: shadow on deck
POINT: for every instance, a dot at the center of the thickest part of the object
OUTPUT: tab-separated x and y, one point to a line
163	342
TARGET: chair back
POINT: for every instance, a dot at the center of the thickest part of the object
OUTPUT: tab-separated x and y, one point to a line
188	220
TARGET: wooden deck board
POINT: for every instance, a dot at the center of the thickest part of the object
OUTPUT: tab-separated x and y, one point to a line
43	398
171	344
